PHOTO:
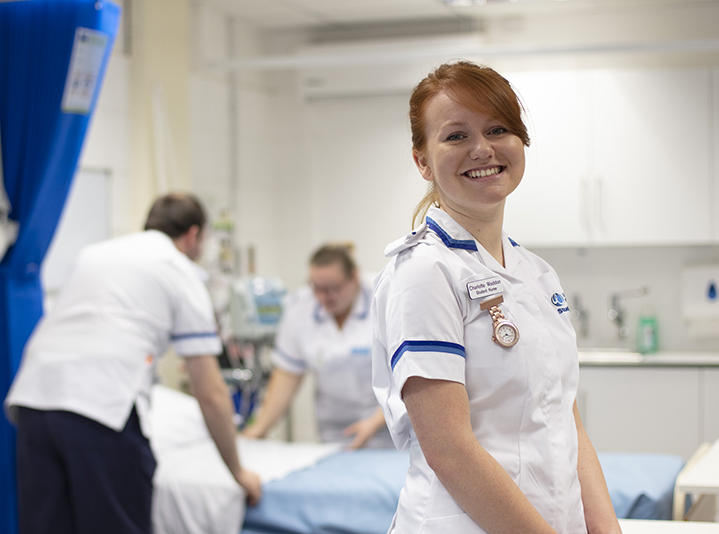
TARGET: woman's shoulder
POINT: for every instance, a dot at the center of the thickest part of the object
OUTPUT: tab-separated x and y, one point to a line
418	268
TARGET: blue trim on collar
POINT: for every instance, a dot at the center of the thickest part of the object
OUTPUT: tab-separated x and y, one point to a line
514	243
427	346
467	244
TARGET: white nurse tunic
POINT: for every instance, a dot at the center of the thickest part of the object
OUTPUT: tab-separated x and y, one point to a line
427	322
308	339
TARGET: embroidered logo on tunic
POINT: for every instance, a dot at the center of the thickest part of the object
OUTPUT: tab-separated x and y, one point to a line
560	301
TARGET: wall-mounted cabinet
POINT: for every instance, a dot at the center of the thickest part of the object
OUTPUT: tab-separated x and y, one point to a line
619	157
548	206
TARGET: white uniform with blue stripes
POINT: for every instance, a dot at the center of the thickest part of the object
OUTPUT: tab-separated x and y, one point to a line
309	340
95	352
425	324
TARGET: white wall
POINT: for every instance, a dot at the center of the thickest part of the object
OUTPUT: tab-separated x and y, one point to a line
303	170
296	171
319	163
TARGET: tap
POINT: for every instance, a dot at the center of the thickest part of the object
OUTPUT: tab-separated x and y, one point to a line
616	312
581	315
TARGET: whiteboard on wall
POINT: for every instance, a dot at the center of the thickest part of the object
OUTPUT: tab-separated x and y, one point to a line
85	219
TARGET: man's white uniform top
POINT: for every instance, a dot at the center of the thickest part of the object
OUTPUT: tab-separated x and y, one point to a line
308	339
94	354
427	322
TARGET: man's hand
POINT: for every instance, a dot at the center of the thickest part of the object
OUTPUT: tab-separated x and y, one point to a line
250	482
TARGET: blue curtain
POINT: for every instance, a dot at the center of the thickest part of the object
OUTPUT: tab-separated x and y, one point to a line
45	107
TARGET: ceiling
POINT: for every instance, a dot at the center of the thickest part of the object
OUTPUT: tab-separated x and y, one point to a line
316	13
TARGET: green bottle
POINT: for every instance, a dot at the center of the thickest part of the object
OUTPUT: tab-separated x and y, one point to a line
647	334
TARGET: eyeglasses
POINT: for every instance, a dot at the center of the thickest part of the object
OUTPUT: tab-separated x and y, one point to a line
329	289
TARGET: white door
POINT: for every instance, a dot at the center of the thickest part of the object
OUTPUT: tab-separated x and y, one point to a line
652	156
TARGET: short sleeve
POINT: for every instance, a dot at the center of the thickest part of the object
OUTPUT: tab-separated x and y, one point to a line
287	353
424	324
194	330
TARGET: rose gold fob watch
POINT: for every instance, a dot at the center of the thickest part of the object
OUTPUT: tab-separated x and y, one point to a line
506	333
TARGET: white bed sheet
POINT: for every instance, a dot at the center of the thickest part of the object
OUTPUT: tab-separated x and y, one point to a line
194	491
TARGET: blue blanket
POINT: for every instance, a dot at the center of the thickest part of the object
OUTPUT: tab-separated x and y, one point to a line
357	492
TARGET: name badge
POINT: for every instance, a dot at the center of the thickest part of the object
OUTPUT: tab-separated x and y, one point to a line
479	289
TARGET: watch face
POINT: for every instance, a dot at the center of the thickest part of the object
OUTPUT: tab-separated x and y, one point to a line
506	334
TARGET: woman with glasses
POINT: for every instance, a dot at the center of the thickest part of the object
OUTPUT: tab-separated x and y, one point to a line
325	330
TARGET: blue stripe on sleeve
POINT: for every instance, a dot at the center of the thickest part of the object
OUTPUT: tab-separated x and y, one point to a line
427	346
190	335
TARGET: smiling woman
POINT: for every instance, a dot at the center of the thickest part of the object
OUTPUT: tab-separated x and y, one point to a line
481	93
489	415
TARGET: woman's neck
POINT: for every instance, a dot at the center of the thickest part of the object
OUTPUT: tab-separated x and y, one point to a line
485	226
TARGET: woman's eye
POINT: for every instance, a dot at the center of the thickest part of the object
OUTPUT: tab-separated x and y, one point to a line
498	130
455	137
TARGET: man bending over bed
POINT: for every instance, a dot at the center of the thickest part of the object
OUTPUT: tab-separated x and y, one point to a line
81	396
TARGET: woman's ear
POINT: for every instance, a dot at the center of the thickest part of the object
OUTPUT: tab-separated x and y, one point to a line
422	164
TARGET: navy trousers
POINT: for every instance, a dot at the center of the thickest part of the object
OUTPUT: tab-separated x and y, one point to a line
76	476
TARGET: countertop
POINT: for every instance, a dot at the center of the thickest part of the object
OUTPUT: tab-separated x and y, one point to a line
614	358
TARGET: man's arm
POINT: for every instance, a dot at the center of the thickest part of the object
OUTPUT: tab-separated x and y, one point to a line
598	510
281	389
209	389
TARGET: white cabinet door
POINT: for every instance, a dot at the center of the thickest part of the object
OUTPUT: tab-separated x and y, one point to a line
710	405
549	206
651	164
641	410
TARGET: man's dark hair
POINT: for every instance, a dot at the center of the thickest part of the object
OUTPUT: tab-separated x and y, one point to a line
175	213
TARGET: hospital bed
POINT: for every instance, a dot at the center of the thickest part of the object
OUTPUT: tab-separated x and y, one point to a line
312	488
